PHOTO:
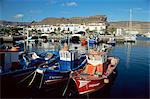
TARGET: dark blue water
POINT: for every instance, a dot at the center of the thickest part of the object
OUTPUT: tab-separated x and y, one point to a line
133	70
131	80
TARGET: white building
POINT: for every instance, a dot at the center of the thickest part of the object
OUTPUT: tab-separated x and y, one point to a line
99	27
119	31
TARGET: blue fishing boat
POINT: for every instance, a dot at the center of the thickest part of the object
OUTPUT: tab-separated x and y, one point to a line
69	60
15	63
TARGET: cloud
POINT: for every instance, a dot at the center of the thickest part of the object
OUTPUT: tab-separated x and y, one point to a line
70	4
18	16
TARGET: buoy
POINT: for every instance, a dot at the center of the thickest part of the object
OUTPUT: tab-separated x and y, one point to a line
106	81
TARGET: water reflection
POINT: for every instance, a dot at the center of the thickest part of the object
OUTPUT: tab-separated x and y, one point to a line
133	77
43	46
128	52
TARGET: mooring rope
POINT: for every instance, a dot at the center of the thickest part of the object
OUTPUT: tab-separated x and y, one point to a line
27	77
41	81
32	79
67	85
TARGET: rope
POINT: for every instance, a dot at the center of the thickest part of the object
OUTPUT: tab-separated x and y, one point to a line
26	77
32	79
41	81
67	85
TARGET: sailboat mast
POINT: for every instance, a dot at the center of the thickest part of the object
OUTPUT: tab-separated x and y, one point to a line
130	23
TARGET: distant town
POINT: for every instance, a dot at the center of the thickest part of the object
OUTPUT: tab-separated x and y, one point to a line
93	24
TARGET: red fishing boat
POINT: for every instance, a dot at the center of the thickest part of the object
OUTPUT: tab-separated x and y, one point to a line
97	72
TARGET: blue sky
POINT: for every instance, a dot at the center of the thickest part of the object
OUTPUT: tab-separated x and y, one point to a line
115	10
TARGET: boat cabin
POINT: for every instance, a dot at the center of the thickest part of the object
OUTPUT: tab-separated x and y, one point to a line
97	58
9	59
68	59
96	63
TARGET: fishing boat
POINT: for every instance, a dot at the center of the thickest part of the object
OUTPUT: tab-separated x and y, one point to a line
69	60
15	63
147	35
111	41
97	72
131	38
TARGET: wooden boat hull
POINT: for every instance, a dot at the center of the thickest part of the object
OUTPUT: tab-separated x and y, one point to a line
87	83
89	86
57	75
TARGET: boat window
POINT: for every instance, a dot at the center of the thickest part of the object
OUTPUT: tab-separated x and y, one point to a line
67	55
61	54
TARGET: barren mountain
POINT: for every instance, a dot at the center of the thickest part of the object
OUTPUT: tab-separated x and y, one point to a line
74	20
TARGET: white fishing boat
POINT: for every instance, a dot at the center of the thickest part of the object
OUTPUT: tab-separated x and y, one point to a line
97	72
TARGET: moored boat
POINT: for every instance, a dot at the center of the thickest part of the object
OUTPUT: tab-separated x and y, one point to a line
15	63
69	60
147	35
96	73
130	38
111	41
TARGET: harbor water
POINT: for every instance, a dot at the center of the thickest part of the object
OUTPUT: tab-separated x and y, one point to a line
130	81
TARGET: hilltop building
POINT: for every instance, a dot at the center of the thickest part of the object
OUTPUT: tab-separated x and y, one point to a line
76	24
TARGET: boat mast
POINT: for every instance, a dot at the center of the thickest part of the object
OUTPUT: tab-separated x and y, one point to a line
130	22
88	42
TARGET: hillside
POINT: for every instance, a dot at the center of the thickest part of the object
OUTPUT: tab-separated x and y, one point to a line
74	20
